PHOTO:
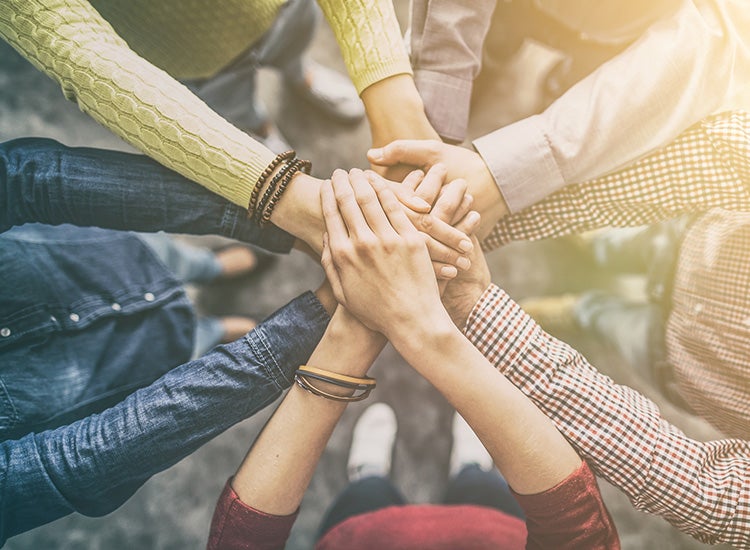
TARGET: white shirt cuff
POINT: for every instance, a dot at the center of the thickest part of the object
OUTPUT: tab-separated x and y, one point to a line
521	161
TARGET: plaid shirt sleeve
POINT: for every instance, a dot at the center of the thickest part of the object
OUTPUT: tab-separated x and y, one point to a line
702	488
707	166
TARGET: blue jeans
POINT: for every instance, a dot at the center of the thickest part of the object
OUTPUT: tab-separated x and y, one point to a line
44	181
233	91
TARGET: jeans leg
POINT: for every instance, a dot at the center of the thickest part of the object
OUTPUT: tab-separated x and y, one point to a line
473	485
366	495
233	91
208	334
629	327
285	44
44	181
190	264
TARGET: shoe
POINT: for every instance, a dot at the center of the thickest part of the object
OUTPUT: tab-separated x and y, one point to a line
330	91
467	449
270	136
372	443
552	312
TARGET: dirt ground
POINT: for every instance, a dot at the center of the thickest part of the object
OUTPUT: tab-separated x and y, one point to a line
173	510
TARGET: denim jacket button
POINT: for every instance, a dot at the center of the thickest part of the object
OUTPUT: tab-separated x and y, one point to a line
149	297
116	307
4	332
74	317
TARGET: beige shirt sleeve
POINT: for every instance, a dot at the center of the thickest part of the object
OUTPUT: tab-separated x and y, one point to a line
74	45
446	41
688	65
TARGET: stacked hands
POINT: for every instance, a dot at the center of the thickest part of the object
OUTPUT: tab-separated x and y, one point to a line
389	265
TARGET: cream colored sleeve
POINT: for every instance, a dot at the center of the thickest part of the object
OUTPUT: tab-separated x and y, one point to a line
73	44
369	37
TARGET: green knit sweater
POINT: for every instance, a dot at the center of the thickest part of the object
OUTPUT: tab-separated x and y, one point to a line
118	59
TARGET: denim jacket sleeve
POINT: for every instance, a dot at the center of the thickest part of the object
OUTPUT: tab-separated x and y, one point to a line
44	181
95	464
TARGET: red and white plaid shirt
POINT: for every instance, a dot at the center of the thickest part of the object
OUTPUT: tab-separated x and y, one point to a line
701	488
707	168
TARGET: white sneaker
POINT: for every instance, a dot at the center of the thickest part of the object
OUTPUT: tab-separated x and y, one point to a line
330	91
372	443
467	449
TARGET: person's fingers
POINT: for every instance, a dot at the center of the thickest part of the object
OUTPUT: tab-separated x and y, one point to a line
444	272
351	213
466	203
420	153
446	255
326	260
469	223
335	227
369	203
396	215
432	183
450	199
413	179
441	231
404	193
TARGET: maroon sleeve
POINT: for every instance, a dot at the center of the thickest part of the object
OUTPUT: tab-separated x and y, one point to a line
237	525
571	515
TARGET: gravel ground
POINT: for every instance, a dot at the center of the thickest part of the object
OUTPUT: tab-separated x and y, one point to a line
173	509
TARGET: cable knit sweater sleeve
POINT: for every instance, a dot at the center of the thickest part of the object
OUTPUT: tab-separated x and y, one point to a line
73	44
369	37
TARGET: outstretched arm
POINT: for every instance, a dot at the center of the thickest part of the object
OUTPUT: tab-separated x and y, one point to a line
377	257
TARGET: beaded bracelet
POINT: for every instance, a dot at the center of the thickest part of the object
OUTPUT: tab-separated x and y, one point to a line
264	177
298	165
305	384
261	206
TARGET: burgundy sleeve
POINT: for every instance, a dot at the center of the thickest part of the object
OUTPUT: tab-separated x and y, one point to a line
237	525
571	515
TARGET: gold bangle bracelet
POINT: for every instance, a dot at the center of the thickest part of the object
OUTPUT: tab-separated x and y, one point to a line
305	384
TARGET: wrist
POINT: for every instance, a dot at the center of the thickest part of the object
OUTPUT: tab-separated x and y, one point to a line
299	212
395	110
413	336
461	303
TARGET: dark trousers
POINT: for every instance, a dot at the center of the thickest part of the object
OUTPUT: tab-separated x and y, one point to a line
472	485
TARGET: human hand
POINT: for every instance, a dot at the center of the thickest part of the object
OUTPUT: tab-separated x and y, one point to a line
374	257
459	162
463	292
395	111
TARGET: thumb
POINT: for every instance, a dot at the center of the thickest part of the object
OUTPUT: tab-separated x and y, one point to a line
406	151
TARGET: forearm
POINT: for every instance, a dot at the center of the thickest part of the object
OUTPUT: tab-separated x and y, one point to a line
705	167
144	105
620	113
277	470
395	111
44	181
95	464
527	448
701	488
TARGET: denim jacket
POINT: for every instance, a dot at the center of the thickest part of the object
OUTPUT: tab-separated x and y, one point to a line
95	464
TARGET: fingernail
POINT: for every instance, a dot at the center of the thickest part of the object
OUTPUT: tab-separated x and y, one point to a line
419	203
416	173
463	263
465	245
448	271
472	217
375	154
